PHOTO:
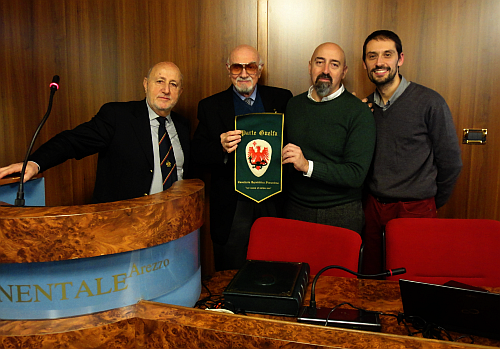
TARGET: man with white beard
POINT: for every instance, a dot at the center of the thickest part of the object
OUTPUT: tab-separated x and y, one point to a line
215	140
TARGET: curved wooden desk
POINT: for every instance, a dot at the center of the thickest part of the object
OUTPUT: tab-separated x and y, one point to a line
110	255
154	325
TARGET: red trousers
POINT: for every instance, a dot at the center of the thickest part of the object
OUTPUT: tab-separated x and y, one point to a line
377	215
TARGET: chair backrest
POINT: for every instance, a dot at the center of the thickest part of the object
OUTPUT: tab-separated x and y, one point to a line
437	250
288	240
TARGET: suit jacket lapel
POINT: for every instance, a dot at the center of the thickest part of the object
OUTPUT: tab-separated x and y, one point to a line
182	133
267	98
143	130
227	112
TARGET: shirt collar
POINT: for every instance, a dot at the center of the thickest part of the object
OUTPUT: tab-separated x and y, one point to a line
399	91
153	115
252	96
326	98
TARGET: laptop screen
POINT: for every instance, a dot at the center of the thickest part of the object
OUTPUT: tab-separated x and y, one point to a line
455	309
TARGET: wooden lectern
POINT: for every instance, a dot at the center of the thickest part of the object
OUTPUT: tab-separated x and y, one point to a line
58	262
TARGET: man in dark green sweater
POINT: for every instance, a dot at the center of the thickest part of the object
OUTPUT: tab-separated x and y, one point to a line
331	136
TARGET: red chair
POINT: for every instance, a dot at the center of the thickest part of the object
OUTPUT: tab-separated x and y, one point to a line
288	240
435	250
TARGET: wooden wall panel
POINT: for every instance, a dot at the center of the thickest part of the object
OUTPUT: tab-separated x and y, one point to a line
18	80
449	46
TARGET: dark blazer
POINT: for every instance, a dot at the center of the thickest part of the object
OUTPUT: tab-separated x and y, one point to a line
216	116
121	134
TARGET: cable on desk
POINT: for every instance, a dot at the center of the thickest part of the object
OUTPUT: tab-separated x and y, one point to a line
216	301
357	308
428	330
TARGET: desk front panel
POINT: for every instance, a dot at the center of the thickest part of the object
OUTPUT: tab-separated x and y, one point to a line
168	273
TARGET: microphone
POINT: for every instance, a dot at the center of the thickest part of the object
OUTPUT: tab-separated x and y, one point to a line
55	83
54	86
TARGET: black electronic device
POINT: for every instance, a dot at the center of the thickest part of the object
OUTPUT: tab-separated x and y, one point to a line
341	317
458	309
265	287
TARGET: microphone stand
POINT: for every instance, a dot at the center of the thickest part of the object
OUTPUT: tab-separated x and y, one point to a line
54	86
311	310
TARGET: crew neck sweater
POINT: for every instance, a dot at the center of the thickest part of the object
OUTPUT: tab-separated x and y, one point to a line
339	137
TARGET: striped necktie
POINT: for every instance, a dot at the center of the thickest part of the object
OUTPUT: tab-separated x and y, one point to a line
167	158
248	101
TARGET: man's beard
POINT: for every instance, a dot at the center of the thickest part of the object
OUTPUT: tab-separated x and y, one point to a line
323	88
246	89
390	77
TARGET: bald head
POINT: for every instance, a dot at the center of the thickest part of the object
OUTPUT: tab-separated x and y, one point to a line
244	52
327	68
168	65
329	47
163	87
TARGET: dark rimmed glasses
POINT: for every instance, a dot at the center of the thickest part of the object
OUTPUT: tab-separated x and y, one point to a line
251	68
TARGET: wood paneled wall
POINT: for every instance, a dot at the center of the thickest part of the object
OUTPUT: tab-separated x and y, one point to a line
103	49
449	46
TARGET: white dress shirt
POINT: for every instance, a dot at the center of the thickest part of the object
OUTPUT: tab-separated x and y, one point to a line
157	183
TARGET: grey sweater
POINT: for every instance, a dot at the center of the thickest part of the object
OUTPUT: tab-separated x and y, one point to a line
417	155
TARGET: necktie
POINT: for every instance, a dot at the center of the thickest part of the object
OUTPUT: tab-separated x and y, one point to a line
248	101
167	158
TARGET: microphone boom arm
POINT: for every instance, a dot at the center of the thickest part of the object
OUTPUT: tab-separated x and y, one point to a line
54	86
390	272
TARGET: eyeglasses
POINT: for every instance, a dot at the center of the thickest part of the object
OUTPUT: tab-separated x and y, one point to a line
237	68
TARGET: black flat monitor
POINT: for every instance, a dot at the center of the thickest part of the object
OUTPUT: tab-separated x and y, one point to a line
463	310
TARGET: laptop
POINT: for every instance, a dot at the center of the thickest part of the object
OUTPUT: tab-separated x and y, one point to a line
468	311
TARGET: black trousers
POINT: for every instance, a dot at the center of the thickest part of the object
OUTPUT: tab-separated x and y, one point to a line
233	254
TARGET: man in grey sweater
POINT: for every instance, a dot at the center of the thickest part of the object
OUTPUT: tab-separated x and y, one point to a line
417	156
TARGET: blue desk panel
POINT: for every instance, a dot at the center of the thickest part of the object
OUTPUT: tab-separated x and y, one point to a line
34	192
168	273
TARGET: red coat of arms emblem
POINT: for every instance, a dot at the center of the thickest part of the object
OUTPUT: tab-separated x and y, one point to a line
258	156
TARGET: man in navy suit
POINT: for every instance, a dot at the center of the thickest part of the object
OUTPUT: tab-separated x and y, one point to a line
125	134
214	143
